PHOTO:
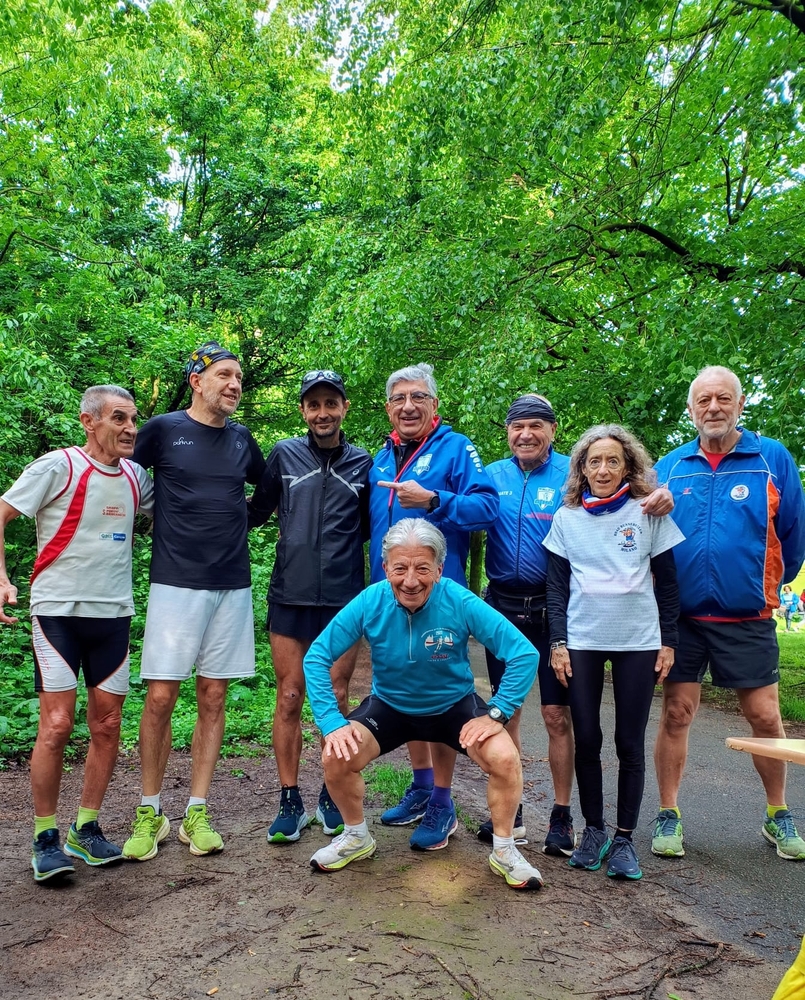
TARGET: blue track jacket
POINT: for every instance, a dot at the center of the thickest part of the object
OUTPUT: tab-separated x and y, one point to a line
515	556
744	527
446	462
420	660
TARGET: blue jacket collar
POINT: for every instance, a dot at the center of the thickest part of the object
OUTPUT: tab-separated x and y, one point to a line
547	461
748	444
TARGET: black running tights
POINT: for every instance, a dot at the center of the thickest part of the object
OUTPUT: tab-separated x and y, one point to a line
633	685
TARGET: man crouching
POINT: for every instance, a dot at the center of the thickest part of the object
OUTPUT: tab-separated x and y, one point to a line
418	626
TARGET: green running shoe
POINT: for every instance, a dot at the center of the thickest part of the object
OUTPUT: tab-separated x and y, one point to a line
197	832
780	831
667	839
148	831
91	846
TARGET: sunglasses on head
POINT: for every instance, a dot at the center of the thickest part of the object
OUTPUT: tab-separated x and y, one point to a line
322	373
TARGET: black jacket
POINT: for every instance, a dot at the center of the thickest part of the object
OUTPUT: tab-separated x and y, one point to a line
322	504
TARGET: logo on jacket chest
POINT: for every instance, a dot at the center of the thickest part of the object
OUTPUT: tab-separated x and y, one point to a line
439	642
740	492
545	495
422	464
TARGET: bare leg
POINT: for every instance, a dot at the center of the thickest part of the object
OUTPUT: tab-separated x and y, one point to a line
761	709
287	654
344	779
341	674
680	702
444	762
560	749
155	733
103	717
208	733
420	754
56	718
498	757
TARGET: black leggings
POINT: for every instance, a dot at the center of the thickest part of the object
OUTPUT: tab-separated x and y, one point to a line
633	683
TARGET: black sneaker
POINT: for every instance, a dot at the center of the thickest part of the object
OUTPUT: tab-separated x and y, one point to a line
561	838
49	861
485	829
328	815
91	846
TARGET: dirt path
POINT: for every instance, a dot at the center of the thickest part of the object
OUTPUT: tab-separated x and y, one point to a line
256	921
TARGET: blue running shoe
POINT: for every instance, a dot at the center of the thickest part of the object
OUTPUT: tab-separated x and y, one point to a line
91	846
436	828
328	815
49	861
411	807
291	819
560	838
591	851
623	861
485	830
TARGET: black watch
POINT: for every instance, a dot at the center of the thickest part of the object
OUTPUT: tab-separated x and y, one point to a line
495	713
434	502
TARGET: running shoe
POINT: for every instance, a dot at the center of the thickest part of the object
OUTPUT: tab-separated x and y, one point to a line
622	861
411	807
436	828
291	819
328	815
591	851
511	864
49	861
197	832
560	838
341	850
667	839
91	846
780	831
485	829
148	831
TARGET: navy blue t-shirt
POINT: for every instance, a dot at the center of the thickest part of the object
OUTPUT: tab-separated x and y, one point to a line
200	505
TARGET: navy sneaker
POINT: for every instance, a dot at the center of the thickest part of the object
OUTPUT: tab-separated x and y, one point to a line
411	807
561	838
49	861
91	846
436	828
291	819
592	849
623	861
328	815
485	829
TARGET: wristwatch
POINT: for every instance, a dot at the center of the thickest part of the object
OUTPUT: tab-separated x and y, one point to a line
559	644
434	502
496	715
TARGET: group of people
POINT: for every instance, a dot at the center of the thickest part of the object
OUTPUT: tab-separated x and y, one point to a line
588	559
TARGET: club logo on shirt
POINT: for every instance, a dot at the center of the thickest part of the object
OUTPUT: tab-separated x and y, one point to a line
627	536
181	440
439	641
545	495
422	464
739	493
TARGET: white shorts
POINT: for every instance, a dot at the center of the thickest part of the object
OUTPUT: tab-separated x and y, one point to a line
213	629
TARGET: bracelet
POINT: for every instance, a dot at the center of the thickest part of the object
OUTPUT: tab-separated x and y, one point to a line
560	644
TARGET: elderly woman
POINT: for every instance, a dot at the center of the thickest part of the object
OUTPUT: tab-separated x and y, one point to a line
612	595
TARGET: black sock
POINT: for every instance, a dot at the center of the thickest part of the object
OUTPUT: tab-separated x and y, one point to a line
626	834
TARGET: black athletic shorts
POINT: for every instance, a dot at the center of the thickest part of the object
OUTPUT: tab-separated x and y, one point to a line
739	654
392	728
64	645
298	621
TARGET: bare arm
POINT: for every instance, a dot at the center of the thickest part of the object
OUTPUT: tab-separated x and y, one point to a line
8	592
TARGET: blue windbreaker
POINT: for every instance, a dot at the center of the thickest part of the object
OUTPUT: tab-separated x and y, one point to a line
515	556
420	660
446	462
744	526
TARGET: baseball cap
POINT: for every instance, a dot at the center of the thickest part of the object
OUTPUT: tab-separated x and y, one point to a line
322	376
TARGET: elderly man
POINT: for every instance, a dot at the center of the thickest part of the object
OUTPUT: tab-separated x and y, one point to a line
418	626
427	470
529	485
740	504
84	501
200	601
318	485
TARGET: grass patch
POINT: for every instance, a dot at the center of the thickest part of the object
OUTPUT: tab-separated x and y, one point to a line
389	781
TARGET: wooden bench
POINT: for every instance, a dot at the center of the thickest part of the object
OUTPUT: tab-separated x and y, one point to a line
792	751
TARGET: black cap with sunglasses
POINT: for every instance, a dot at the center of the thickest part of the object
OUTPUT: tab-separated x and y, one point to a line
324	376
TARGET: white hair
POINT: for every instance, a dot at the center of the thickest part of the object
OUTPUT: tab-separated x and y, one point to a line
415	531
413	373
719	371
93	400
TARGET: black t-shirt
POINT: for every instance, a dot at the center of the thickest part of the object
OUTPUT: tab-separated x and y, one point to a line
200	505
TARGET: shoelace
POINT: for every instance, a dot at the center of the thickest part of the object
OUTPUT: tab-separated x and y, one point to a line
431	816
786	826
667	825
623	850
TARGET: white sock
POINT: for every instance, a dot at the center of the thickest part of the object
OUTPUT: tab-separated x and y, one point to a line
194	801
498	843
361	830
151	800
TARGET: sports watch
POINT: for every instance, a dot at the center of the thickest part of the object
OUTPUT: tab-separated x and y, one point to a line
434	502
495	713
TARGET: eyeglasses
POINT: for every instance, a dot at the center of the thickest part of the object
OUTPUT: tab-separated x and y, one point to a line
418	398
327	373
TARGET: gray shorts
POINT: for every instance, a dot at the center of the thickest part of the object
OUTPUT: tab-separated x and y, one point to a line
213	629
740	654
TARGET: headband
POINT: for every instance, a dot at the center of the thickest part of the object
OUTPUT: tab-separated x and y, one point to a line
530	408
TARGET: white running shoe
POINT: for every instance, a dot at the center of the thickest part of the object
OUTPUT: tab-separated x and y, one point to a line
511	864
341	850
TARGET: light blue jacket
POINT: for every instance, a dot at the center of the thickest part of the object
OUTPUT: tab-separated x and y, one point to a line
420	660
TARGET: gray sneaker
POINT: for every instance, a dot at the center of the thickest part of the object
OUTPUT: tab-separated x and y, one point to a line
341	850
511	864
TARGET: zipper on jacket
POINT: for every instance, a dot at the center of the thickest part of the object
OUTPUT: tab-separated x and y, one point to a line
325	477
525	476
